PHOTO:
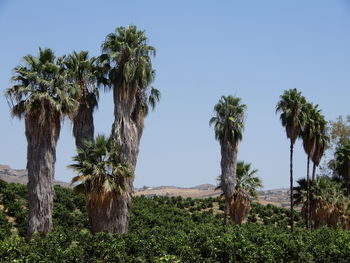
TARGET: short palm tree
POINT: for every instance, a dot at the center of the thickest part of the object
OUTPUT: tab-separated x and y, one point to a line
245	190
228	124
41	97
126	60
329	205
291	106
83	77
103	181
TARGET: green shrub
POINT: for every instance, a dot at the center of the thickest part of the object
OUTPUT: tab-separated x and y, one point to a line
161	231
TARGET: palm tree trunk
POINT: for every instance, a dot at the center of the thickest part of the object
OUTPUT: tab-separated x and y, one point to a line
228	174
41	158
105	213
127	130
313	217
308	214
314	172
83	125
240	207
291	189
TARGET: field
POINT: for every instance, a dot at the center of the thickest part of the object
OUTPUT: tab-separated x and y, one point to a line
164	229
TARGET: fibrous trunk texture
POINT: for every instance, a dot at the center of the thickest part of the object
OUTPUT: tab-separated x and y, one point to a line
291	188
228	173
127	130
83	125
323	213
240	207
41	157
105	212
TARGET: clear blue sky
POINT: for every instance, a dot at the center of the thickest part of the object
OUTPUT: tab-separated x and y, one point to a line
205	49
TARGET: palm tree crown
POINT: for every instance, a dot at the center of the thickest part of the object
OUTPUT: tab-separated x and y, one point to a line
228	119
322	138
97	167
308	133
126	59
83	76
40	88
291	106
247	179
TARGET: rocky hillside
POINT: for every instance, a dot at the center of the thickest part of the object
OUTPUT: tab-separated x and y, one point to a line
278	197
19	176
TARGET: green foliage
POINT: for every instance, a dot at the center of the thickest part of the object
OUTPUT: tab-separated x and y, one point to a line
246	179
126	60
97	167
161	231
5	226
229	119
40	81
292	116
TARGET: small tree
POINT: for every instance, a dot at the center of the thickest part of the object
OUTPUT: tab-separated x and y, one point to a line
245	190
328	203
104	182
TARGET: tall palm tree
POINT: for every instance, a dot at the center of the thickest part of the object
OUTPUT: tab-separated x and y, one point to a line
102	180
308	134
342	163
228	124
291	106
83	76
126	59
41	97
322	140
245	189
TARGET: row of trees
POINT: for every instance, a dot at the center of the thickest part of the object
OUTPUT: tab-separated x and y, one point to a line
48	88
325	200
329	194
304	120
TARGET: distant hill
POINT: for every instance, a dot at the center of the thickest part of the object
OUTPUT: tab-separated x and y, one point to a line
11	175
278	197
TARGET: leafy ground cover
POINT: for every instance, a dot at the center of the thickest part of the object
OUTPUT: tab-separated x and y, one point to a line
164	229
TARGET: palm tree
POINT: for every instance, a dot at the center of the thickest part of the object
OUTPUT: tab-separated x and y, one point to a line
83	76
41	97
311	114
291	106
126	60
342	163
329	205
321	141
102	181
245	189
228	124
